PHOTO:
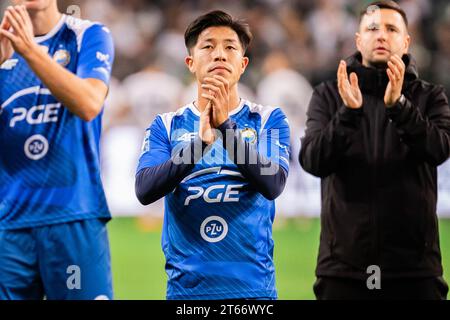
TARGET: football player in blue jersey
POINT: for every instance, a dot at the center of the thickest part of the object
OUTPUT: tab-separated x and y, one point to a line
220	162
54	75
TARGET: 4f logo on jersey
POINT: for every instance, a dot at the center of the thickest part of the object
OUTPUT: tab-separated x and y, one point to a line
214	229
215	193
188	136
36	114
9	64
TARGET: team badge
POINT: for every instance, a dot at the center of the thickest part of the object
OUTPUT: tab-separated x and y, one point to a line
249	135
62	57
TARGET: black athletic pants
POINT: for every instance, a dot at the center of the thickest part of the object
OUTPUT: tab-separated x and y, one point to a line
330	288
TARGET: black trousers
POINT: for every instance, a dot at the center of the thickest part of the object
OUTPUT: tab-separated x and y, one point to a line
330	288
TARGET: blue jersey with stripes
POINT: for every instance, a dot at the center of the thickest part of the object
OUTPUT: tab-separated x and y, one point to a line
49	157
217	232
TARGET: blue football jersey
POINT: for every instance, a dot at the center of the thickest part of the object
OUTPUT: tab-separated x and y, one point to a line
217	233
49	158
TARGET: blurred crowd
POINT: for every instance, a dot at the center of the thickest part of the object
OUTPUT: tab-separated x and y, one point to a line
296	45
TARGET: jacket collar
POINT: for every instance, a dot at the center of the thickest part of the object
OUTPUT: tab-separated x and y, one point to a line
374	81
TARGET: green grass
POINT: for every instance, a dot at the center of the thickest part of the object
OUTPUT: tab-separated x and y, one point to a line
138	261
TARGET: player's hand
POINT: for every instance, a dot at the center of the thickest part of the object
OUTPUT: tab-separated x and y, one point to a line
349	90
6	49
21	36
206	132
218	88
396	73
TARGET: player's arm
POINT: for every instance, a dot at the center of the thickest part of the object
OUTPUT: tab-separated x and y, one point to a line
82	96
264	164
160	169
263	172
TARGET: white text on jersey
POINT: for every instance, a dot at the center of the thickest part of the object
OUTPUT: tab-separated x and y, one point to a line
36	115
226	196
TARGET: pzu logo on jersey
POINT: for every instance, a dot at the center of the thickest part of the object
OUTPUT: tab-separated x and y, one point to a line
214	229
215	193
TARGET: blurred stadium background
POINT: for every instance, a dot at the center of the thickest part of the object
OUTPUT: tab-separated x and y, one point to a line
297	44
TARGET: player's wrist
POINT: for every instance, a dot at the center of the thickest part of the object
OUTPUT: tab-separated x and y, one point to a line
33	53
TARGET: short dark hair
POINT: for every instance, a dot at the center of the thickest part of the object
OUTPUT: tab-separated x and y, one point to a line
217	18
387	4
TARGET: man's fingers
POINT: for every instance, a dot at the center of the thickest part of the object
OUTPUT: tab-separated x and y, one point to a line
399	62
344	70
209	97
342	82
22	11
218	83
394	69
211	87
12	21
208	108
390	75
339	73
9	35
354	81
15	11
223	80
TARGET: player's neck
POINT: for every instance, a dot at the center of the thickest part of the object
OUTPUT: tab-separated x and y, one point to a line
44	20
201	102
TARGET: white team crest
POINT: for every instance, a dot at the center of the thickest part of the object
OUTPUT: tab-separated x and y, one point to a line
249	135
62	57
9	64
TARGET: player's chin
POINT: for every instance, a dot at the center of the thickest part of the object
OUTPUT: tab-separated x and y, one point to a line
221	72
379	60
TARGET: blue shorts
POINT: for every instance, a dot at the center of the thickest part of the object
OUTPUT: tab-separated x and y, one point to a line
61	261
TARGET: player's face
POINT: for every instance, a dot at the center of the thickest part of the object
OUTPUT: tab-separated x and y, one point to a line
218	51
382	33
34	4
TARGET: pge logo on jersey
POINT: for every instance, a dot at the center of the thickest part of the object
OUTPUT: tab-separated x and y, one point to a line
214	229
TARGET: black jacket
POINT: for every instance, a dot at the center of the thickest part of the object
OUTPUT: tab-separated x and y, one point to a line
379	176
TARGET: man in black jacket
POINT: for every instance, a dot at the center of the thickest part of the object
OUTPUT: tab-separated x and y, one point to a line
375	139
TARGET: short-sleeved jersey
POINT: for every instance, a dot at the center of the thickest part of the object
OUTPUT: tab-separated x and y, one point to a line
49	157
217	233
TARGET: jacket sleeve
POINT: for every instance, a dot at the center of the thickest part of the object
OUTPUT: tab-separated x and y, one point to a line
160	169
327	134
264	164
427	135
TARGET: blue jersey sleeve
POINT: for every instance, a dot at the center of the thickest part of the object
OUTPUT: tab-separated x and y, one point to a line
265	166
96	54
159	171
275	139
156	146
